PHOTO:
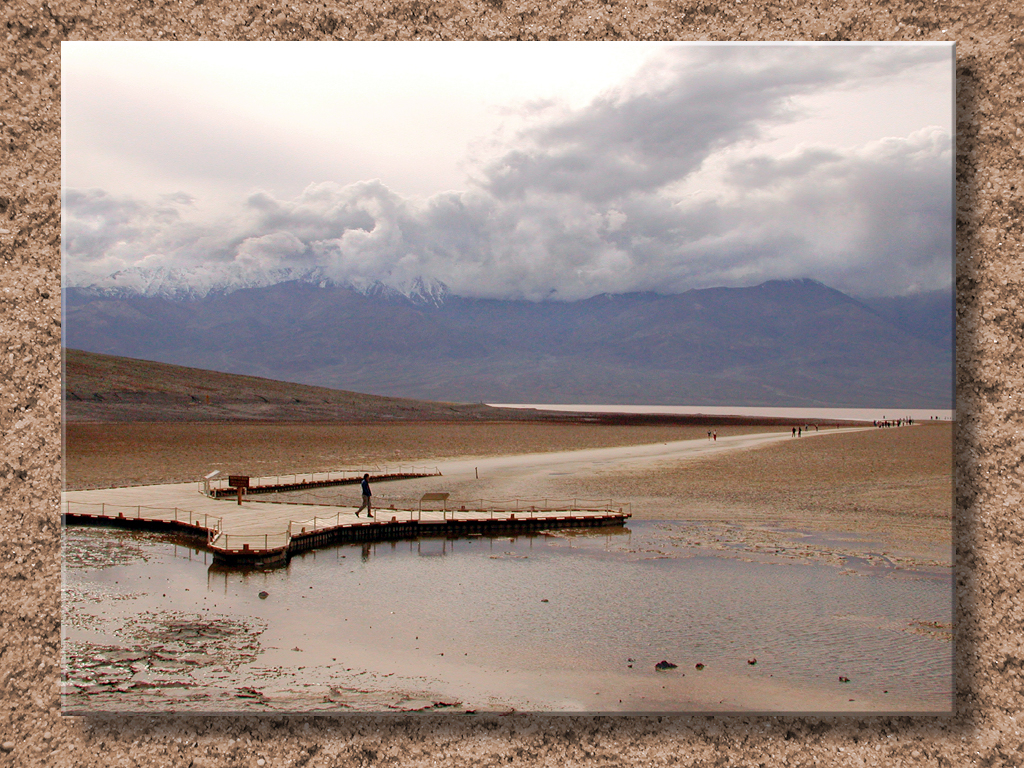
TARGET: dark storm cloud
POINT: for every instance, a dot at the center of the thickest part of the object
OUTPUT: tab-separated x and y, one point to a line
579	206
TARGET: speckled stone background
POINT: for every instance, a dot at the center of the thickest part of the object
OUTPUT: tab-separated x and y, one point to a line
988	528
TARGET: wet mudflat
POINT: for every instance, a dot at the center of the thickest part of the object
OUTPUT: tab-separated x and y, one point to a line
778	620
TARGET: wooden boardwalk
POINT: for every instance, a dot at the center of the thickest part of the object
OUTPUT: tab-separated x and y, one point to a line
262	533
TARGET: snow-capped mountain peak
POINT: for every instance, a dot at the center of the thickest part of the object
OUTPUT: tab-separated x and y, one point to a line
198	282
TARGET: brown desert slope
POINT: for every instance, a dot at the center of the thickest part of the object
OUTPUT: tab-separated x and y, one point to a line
107	388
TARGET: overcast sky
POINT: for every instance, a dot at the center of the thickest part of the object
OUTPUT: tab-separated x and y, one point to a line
513	170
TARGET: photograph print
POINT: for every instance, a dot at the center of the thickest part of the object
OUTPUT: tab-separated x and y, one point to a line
471	377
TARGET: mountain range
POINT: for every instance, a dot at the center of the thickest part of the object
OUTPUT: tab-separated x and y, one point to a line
782	343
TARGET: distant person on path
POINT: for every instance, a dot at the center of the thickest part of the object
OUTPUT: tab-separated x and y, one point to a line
709	435
794	431
714	435
366	497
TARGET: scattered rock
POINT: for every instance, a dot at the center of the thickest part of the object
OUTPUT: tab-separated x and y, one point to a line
843	679
751	661
665	665
412	705
264	595
7	746
544	600
698	665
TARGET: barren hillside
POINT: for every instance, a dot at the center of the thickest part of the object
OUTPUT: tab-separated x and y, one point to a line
108	388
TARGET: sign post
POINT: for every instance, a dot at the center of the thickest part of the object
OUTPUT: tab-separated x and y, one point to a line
239	482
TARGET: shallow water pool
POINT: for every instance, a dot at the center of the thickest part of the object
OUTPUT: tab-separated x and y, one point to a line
568	621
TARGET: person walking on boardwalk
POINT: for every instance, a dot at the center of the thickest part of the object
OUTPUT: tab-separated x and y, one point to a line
366	497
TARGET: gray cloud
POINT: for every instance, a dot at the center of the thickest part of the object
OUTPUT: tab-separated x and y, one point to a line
663	125
578	204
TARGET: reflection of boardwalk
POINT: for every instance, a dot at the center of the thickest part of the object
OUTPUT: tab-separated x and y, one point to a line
261	533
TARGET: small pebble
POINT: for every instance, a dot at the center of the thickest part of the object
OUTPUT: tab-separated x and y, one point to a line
261	762
7	746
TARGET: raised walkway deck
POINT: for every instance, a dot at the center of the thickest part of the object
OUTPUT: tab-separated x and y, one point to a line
262	533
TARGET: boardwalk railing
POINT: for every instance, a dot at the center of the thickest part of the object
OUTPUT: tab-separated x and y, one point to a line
253	542
211	524
239	544
451	509
220	484
507	509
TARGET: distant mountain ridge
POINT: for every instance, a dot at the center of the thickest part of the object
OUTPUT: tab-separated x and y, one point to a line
187	284
782	343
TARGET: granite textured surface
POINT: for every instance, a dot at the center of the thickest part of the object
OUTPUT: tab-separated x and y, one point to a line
988	525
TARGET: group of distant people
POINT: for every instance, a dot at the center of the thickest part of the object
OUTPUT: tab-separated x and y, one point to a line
799	431
894	423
